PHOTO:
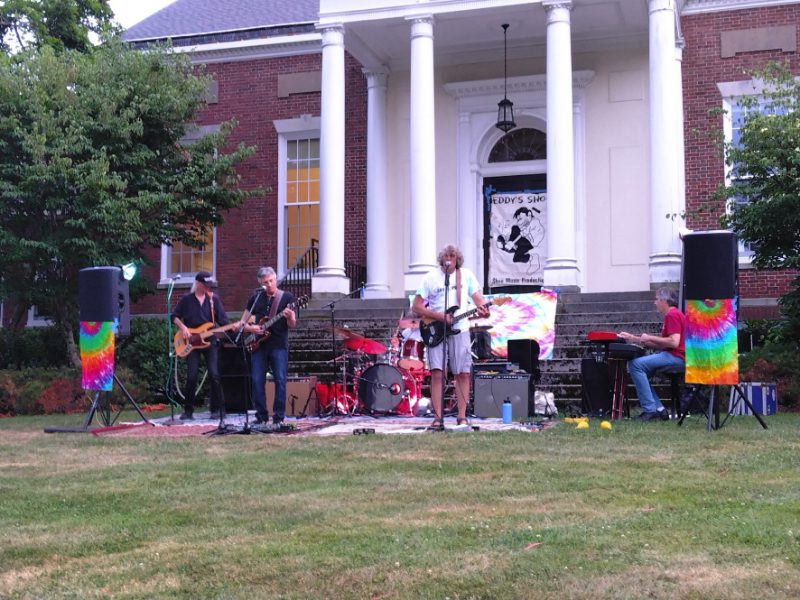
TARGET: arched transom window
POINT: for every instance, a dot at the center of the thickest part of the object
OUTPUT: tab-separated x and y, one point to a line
520	144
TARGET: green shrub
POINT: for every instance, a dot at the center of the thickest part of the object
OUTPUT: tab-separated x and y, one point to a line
33	347
776	360
145	354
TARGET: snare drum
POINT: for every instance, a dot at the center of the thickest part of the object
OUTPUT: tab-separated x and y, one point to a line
413	356
384	388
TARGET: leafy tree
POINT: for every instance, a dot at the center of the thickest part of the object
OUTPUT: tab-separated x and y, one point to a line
61	24
765	167
92	169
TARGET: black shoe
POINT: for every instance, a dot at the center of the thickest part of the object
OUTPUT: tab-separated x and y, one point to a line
187	416
277	420
261	419
648	416
663	415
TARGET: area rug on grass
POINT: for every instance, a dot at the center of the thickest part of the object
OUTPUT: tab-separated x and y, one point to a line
342	425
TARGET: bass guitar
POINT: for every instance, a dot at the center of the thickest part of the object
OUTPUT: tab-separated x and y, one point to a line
433	331
197	339
254	340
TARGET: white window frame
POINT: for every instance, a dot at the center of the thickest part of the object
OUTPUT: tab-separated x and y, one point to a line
166	276
731	92
304	127
35	320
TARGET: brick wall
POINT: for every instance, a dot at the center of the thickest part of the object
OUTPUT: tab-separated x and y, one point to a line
248	239
703	68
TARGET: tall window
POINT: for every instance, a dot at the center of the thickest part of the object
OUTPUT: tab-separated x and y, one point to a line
735	115
301	208
186	260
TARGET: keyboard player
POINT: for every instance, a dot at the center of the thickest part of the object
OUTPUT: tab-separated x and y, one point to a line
670	353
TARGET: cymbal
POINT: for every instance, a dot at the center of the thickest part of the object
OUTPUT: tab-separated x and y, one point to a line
365	345
346	333
408	323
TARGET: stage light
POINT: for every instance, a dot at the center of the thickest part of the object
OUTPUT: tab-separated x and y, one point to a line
129	271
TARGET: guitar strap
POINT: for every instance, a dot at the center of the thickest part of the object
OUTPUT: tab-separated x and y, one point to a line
211	302
458	288
276	300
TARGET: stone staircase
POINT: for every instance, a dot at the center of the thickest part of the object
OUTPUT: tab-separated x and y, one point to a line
576	315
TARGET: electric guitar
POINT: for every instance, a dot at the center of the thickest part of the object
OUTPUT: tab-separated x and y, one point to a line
254	340
433	331
197	339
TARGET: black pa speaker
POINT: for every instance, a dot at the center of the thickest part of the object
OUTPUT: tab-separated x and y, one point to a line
710	265
490	391
595	387
525	353
234	374
103	295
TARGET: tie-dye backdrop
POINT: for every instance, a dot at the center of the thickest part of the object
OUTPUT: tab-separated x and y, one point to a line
711	342
97	354
526	316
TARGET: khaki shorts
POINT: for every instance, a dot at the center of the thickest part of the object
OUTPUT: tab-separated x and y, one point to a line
458	353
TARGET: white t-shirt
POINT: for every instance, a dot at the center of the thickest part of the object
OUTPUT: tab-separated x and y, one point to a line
431	288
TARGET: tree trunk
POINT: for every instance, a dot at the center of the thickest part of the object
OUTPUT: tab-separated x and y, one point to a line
72	349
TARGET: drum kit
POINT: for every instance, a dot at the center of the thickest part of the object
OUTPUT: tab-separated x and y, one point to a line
376	379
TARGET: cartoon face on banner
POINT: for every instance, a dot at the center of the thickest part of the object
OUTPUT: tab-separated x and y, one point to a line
517	231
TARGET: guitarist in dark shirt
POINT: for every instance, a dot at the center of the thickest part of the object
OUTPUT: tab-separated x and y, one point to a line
201	305
273	353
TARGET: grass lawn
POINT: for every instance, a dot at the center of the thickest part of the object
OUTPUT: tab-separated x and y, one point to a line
644	510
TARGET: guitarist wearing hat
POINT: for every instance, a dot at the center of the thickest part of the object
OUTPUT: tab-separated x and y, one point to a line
272	349
462	290
200	306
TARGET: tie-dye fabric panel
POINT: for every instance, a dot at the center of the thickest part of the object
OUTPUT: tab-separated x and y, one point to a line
97	354
526	316
711	342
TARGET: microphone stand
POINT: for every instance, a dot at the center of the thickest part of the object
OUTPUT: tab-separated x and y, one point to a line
445	349
334	411
170	354
222	428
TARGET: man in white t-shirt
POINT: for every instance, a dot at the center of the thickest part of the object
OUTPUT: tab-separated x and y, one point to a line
463	291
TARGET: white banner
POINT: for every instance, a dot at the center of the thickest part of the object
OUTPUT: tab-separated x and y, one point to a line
517	230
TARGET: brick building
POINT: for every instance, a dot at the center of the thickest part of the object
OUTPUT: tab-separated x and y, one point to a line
375	127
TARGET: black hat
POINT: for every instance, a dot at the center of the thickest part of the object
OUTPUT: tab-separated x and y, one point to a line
204	277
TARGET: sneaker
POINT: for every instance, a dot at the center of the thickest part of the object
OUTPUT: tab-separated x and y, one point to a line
260	419
663	414
648	416
187	416
277	420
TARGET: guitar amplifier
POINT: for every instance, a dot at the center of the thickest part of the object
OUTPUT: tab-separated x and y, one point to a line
490	391
301	396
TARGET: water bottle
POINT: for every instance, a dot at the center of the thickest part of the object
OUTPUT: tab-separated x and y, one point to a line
507	411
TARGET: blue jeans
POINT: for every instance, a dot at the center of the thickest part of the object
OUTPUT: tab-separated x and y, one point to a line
642	368
277	361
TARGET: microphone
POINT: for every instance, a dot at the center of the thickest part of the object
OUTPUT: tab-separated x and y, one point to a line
447	264
174	277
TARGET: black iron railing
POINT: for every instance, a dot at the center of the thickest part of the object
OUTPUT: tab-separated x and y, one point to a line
298	278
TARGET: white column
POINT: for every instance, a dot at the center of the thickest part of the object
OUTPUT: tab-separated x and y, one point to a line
330	276
422	214
377	213
467	210
665	259
561	267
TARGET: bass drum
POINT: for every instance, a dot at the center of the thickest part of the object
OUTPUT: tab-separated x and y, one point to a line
384	388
